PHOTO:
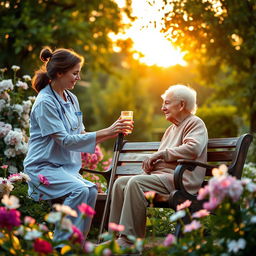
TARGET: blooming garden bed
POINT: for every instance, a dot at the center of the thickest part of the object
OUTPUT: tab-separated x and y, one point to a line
26	227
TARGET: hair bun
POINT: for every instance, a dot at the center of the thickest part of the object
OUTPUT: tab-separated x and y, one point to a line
45	54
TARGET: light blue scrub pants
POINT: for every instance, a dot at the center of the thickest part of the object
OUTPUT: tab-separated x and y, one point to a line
78	196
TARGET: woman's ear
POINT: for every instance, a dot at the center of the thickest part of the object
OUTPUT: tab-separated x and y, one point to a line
182	105
59	74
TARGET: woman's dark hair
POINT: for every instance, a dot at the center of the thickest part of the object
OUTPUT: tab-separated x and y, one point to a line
59	61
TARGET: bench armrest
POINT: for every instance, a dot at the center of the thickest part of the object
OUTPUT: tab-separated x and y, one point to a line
189	165
106	174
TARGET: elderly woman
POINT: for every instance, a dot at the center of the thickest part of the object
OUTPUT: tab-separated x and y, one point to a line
186	138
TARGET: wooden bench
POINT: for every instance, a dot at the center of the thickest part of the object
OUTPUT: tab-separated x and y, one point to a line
129	157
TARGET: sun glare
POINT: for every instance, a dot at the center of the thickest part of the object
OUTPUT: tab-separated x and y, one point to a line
150	44
156	49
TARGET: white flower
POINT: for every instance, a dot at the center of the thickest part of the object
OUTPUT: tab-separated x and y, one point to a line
25	176
251	187
33	234
10	152
6	85
20	231
177	215
65	209
32	98
21	148
11	202
253	219
27	78
18	108
26	106
13	138
53	217
4	129
66	224
5	186
235	246
12	169
15	68
23	85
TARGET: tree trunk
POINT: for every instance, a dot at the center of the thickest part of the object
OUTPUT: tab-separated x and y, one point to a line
253	121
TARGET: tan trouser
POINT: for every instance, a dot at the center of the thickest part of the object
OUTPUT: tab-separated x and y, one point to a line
128	205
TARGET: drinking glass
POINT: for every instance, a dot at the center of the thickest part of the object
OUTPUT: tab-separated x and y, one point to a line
127	114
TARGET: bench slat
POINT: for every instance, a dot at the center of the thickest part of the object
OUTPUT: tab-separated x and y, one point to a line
138	146
129	169
222	143
133	157
219	156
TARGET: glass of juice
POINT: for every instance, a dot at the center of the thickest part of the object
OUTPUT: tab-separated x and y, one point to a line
127	114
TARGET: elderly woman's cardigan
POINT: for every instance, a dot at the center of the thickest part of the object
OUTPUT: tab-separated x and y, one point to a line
188	140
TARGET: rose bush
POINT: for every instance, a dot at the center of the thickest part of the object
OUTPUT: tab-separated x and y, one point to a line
14	120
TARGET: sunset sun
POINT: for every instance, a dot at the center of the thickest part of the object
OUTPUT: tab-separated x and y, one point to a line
149	44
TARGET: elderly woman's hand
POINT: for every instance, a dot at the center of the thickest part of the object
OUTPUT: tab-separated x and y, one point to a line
149	162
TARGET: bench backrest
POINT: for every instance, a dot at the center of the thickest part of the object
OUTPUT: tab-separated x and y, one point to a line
229	151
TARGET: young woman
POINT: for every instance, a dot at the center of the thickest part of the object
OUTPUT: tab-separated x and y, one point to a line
57	136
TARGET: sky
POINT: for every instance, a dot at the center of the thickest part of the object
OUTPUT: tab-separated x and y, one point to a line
148	39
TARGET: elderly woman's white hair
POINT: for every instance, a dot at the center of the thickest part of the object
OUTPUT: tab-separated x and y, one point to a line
185	93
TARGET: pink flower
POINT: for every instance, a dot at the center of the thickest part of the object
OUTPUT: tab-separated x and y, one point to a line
9	218
86	209
169	240
115	227
77	236
42	246
88	247
150	195
203	192
184	205
43	180
201	213
4	166
107	252
29	220
194	225
212	204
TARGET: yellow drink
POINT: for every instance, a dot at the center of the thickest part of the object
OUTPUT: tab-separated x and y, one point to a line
127	115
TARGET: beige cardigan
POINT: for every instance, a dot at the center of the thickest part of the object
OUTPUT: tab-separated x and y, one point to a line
188	140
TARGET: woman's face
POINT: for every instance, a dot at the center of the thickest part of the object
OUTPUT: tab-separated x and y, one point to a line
69	79
171	107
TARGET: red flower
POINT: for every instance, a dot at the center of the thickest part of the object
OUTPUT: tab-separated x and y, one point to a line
9	218
42	246
86	209
43	180
77	236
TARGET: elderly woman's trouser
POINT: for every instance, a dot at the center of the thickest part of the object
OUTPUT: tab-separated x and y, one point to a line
78	196
129	206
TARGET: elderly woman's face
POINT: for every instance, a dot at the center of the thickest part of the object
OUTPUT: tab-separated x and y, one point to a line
171	107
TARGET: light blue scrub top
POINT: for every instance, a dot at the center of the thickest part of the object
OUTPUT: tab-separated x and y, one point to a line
58	156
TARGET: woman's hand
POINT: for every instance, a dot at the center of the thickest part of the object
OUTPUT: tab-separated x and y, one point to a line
119	126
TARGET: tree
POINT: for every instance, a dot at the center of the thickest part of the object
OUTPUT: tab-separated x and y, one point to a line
220	36
27	26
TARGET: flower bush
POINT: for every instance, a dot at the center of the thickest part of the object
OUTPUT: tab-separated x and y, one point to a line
99	160
14	120
229	231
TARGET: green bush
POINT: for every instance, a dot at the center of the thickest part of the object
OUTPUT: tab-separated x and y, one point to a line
220	120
